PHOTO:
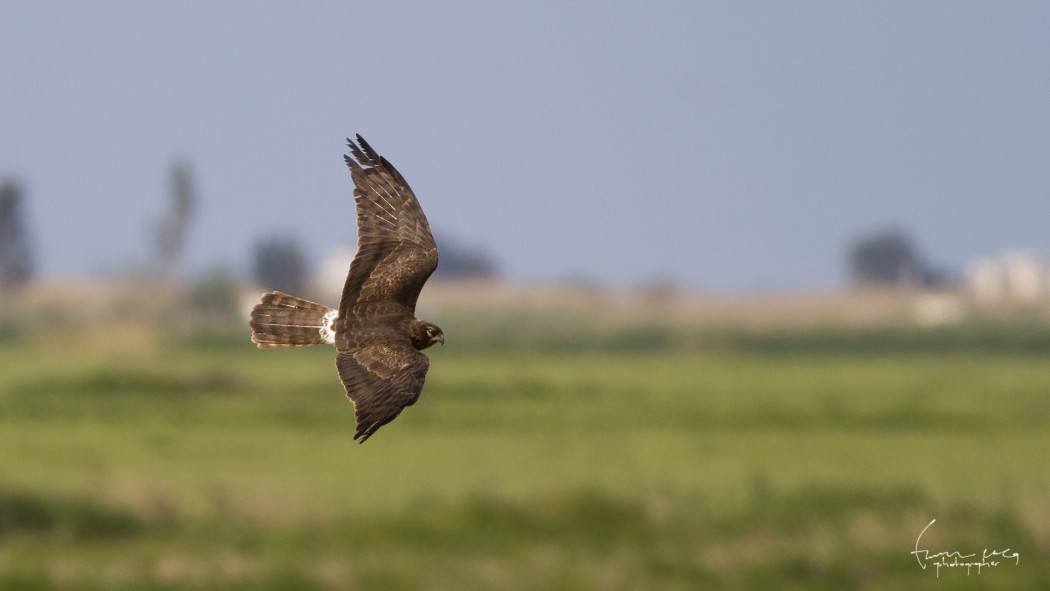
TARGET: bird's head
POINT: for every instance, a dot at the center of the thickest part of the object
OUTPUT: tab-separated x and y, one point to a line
425	334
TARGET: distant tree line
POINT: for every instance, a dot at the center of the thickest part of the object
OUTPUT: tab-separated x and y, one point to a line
16	256
463	262
278	261
889	257
279	264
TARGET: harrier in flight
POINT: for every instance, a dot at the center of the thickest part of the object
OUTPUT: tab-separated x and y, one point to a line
377	337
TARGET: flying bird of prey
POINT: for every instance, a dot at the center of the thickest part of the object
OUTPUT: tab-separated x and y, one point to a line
377	337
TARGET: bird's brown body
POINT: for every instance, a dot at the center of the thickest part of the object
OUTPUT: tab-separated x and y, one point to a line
374	330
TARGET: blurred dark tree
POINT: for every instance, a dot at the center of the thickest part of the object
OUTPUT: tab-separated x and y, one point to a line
462	262
172	229
16	257
888	257
280	265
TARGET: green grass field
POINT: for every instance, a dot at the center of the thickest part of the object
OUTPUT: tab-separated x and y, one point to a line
216	465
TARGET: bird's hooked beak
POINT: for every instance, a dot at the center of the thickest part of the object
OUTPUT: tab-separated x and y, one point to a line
441	339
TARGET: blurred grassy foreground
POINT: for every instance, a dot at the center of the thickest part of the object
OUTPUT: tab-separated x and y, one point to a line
637	459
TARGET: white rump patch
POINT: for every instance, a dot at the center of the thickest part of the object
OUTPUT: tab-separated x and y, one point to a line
328	326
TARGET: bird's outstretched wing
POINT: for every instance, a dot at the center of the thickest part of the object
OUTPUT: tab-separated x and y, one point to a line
395	249
381	378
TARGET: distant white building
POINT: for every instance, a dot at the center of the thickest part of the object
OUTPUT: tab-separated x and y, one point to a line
1018	276
331	273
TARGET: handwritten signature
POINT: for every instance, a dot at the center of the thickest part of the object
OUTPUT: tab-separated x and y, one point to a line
955	559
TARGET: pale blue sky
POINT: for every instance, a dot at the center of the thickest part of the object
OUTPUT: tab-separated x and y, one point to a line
728	146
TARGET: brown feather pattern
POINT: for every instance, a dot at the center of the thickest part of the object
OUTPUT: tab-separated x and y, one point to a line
396	252
381	371
282	320
376	333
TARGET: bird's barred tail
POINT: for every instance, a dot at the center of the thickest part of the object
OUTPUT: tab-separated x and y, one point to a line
281	320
